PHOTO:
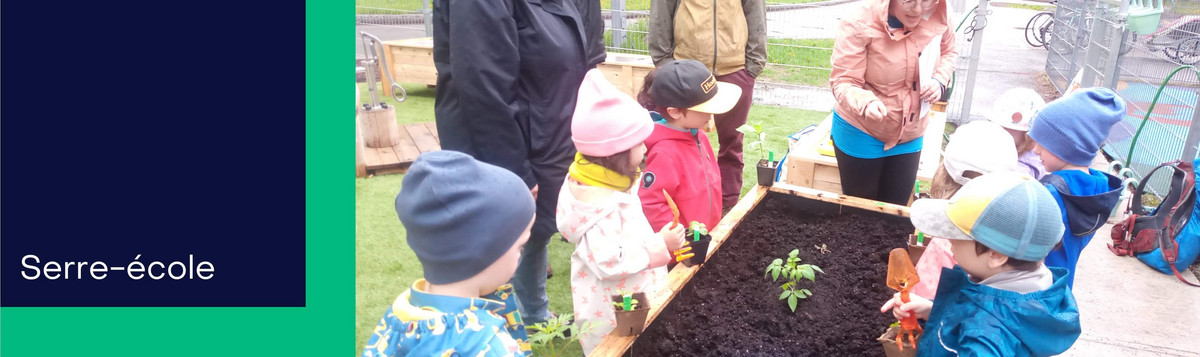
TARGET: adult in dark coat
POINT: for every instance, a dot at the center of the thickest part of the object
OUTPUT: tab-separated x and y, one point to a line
508	73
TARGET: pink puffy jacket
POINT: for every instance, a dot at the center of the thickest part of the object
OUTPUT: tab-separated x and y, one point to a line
872	62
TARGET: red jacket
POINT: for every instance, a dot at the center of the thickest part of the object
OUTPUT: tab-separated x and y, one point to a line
683	164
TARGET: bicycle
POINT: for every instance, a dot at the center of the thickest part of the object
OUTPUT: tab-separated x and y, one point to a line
1040	28
1179	40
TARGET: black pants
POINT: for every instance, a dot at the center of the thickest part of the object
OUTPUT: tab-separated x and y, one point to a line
887	179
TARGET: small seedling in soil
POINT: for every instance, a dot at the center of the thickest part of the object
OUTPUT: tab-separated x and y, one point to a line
633	303
542	336
822	248
792	273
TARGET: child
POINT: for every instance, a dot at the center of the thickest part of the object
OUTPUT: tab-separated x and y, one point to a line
974	149
1068	133
679	159
469	250
598	209
1015	111
1000	300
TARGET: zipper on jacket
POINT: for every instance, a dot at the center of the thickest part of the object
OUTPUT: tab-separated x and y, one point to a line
707	183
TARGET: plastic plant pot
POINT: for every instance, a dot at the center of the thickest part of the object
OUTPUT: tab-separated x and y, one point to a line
766	173
631	323
699	249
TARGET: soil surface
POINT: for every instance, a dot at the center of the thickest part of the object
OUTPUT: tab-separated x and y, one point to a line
729	308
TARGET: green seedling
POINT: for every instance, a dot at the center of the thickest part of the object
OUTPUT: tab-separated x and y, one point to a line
698	229
755	131
543	335
627	303
633	304
792	273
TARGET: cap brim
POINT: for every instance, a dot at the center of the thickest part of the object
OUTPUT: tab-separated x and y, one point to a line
727	97
929	216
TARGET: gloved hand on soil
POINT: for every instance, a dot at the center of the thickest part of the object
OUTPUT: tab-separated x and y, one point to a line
916	305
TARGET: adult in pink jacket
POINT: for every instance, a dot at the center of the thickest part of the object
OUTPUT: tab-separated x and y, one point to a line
878	123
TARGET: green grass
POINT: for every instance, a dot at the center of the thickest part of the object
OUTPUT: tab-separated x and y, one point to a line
635	38
1029	7
798	61
385	266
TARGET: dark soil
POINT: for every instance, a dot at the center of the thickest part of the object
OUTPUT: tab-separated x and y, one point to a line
729	308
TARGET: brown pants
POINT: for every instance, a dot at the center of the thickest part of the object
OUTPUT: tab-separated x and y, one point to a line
729	155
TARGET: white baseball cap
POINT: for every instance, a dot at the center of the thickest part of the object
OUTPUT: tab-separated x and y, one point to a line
1016	108
979	146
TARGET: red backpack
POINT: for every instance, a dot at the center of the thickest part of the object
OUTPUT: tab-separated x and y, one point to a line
1144	231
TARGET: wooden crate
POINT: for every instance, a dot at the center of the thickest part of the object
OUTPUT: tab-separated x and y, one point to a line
613	345
626	71
808	168
411	61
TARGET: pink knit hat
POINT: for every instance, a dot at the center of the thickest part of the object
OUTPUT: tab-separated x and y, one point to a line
607	121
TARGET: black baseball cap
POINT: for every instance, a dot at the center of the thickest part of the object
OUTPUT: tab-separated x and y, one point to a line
688	84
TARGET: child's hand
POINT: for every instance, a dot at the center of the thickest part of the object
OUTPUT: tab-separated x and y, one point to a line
916	305
672	235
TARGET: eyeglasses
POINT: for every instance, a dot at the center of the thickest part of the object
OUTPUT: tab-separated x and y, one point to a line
925	4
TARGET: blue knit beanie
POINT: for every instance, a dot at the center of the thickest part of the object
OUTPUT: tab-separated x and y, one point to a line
1073	127
461	214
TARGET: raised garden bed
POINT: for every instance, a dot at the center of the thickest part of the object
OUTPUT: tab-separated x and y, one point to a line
729	308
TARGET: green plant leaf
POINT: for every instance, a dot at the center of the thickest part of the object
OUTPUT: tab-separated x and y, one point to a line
748	130
777	262
818	269
775	275
787	285
792	302
758	127
808	274
794	253
785	294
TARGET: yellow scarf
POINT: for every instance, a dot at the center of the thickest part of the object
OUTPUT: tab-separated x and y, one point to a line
599	176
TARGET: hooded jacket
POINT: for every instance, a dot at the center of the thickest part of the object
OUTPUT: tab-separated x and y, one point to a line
423	324
683	164
973	319
615	251
872	62
687	29
1086	201
508	75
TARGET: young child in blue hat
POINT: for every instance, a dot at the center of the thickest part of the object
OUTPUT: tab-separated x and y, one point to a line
467	222
1068	133
1000	299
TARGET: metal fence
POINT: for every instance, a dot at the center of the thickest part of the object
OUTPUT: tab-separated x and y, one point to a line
1133	49
968	28
800	42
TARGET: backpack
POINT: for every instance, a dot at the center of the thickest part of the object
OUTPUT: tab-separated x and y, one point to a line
1187	241
1146	231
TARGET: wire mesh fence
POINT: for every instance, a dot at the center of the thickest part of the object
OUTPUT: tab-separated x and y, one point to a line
1137	51
799	44
965	26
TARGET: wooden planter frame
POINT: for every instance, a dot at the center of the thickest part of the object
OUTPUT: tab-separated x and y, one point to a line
613	345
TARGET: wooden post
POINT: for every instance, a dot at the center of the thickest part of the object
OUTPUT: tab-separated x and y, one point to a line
360	164
379	129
